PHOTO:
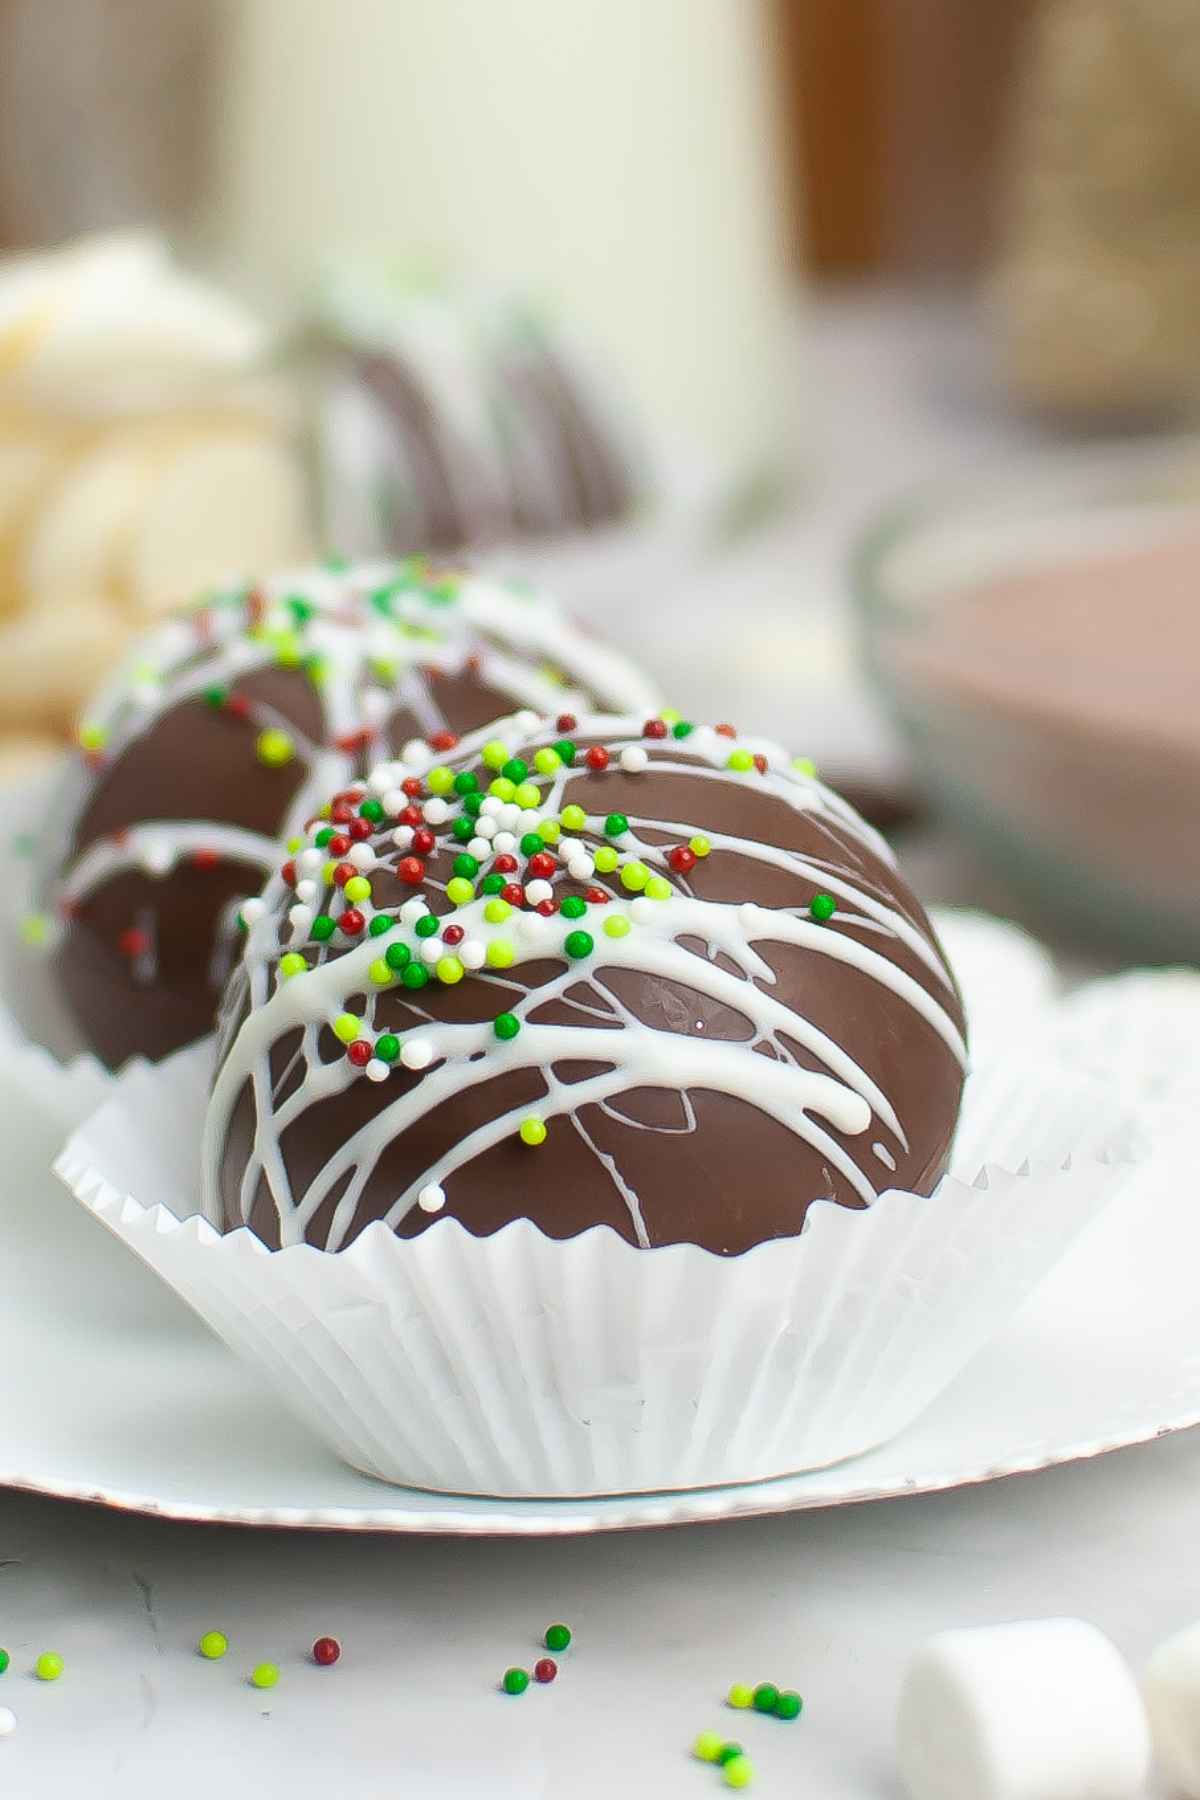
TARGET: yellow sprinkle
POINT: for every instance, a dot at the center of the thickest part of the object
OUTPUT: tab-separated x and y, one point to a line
502	789
494	754
327	873
459	890
573	817
806	766
274	747
357	888
294	844
669	716
92	737
634	876
546	761
533	1131
346	1027
500	955
440	780
35	928
658	889
449	970
550	829
527	796
292	964
616	926
606	859
380	973
699	846
496	911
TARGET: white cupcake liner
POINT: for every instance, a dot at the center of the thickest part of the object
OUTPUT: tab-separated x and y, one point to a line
1140	1033
518	1366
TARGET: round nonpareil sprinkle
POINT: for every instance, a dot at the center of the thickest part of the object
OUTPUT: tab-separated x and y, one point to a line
5	1659
274	748
740	1696
557	1637
266	1675
766	1696
49	1666
533	1133
789	1705
515	1681
545	1669
738	1772
326	1652
708	1746
213	1645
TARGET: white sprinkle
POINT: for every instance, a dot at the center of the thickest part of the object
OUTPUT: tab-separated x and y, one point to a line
306	890
394	801
435	811
402	836
485	825
536	891
416	1053
471	954
431	1198
479	848
156	857
634	759
581	868
380	779
510	816
374	705
490	809
300	918
362	856
526	720
310	862
533	928
432	949
412	910
503	842
417	755
376	1069
529	820
8	1721
253	910
643	910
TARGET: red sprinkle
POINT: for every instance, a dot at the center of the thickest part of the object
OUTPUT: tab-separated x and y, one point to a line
725	731
453	934
342	874
513	892
411	870
545	1669
423	840
411	816
682	860
359	1053
546	908
238	705
542	863
655	728
565	722
597	896
205	859
597	757
326	1651
288	872
338	844
505	864
133	942
256	606
411	785
442	740
341	812
359	829
350	741
760	763
352	921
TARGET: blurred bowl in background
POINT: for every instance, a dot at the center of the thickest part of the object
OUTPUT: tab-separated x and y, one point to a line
1036	635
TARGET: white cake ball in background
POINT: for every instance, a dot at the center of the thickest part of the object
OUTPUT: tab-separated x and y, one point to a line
1041	1710
1171	1687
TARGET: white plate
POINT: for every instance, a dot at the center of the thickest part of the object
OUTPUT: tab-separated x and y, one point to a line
113	1392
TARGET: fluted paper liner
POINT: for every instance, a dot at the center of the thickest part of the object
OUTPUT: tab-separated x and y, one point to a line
518	1365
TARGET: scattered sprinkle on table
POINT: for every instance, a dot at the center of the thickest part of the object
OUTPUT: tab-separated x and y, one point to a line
738	1772
708	1746
741	1696
788	1705
326	1651
265	1676
5	1659
213	1645
728	1752
545	1669
49	1666
557	1637
8	1721
766	1697
515	1681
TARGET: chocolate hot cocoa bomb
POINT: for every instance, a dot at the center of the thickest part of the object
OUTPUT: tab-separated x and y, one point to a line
639	975
230	726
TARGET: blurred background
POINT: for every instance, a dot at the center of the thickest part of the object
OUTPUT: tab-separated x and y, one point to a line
837	357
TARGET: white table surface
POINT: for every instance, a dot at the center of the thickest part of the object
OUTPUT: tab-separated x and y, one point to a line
829	1603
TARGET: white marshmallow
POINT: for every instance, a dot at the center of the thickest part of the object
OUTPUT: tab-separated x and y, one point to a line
1171	1687
1041	1710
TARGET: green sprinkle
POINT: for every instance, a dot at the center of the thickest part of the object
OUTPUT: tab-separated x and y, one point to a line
398	955
301	610
565	751
387	1048
788	1705
531	843
506	1026
213	1645
491	884
579	943
573	907
415	976
465	782
323	836
766	1697
823	907
727	1752
515	770
557	1637
466	865
372	810
426	926
463	829
472	805
616	825
5	1659
380	923
49	1666
216	697
322	927
515	1681
682	728
265	1676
